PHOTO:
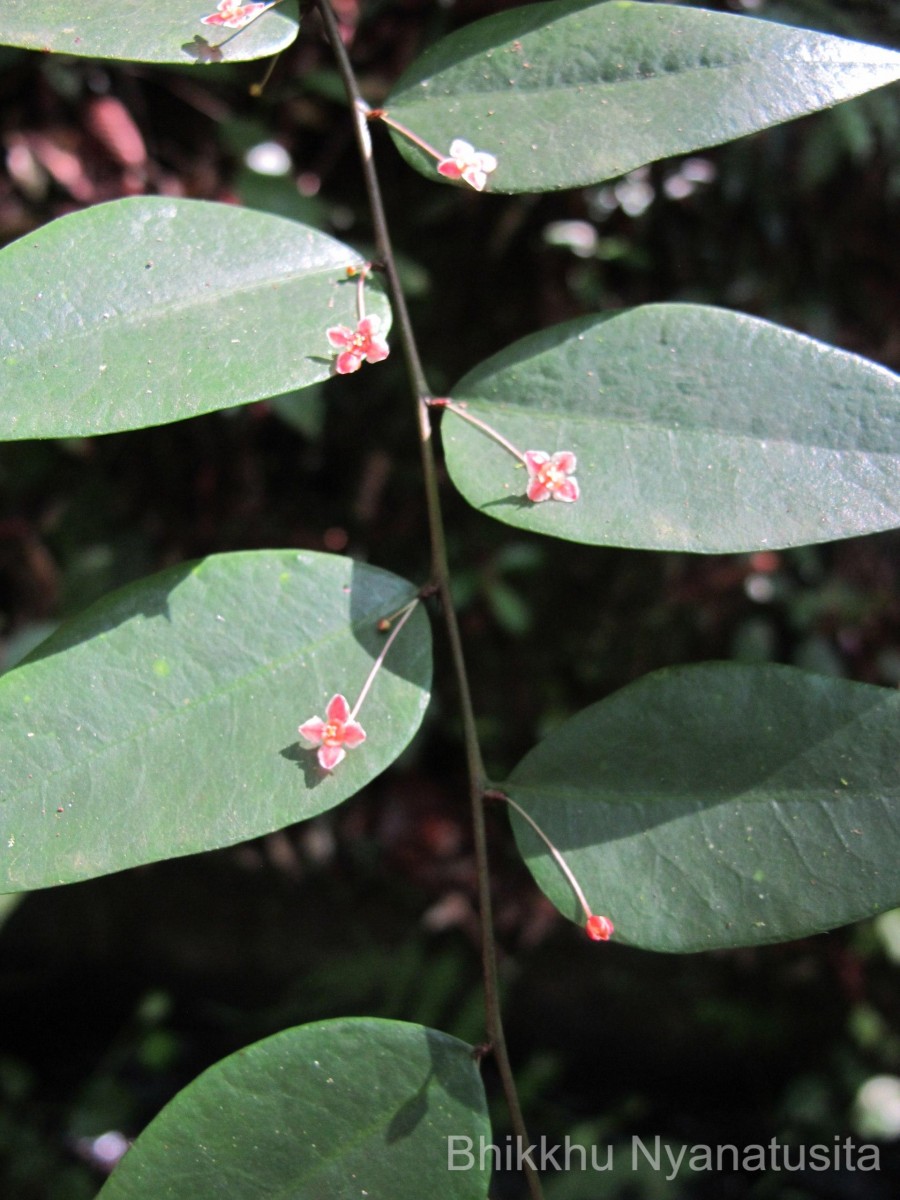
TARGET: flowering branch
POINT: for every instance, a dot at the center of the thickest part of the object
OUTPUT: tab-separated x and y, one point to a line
440	574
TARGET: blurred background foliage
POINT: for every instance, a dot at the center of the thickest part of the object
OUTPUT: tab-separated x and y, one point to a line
116	992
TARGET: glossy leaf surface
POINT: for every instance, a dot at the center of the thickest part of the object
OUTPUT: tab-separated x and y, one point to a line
149	310
721	805
343	1109
163	721
572	92
694	428
160	31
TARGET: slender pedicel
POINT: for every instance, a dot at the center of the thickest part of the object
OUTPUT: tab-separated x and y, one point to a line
461	411
599	929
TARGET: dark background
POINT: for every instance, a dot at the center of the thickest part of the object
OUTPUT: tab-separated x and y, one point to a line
117	992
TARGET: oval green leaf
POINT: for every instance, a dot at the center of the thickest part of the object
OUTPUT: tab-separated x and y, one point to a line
160	31
695	428
149	310
720	805
342	1109
572	92
163	721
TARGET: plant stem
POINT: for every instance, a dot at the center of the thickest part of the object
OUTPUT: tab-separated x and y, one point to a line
440	574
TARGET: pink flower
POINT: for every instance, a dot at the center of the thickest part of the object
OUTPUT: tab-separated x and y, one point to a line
548	477
232	14
358	345
465	162
333	734
599	929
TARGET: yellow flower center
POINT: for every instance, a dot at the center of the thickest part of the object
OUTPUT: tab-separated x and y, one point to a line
333	734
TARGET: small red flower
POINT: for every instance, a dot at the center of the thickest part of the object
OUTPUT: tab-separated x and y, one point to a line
465	162
335	735
549	476
233	14
359	345
599	929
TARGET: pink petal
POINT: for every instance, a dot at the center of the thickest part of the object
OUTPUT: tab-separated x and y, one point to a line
538	491
475	178
565	460
349	361
354	735
369	326
567	491
449	168
338	709
378	350
339	335
330	756
534	460
313	730
215	19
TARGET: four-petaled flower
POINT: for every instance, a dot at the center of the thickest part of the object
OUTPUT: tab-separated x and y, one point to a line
549	476
364	343
334	736
465	162
232	14
599	929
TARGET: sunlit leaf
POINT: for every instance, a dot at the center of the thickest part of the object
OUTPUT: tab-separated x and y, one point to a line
163	720
349	1108
571	92
149	310
162	31
721	805
694	428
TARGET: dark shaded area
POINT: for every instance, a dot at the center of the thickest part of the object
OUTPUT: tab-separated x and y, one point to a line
115	993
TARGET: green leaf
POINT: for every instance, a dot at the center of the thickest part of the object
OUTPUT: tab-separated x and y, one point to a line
149	310
721	805
162	31
695	428
163	720
348	1108
572	92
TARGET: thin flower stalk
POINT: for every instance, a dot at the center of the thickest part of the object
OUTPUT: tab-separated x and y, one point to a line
549	475
463	162
598	928
462	411
339	731
403	614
